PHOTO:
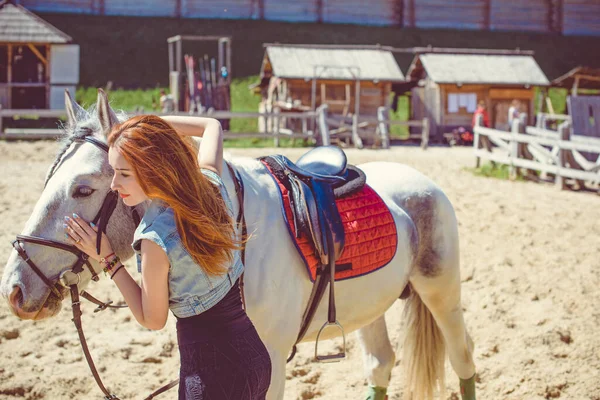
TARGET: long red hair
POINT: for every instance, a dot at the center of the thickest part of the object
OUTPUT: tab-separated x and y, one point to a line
167	169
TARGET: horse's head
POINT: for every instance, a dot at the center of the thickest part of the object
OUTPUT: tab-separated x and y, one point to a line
77	182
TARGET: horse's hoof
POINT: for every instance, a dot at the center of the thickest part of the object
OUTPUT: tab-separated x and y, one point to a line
376	393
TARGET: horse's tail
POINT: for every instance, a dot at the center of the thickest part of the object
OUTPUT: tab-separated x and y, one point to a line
424	352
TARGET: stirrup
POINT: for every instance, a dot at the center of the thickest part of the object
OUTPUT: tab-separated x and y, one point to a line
331	357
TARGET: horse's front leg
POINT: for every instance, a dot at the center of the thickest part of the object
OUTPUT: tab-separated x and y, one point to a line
379	357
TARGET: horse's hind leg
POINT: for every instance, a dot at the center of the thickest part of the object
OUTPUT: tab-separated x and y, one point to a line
379	357
441	296
434	312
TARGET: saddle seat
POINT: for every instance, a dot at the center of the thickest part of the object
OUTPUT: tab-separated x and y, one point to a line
324	163
311	182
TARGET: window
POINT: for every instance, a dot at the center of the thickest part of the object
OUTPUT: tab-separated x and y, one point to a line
465	101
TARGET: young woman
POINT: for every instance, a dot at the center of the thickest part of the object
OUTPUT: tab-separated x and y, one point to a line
187	252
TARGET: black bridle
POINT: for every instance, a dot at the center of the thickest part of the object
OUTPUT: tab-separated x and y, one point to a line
71	278
101	220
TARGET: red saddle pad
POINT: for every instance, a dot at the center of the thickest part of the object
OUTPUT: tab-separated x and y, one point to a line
371	238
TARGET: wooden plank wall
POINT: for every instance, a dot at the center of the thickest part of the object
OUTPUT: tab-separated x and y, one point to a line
222	9
457	14
585	114
581	17
521	15
372	12
570	17
146	8
61	6
293	11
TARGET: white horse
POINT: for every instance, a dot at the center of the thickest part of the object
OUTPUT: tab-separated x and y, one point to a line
276	283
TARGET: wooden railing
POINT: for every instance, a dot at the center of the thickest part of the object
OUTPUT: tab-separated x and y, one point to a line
313	125
552	152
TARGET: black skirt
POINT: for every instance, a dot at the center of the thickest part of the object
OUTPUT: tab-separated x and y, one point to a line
222	356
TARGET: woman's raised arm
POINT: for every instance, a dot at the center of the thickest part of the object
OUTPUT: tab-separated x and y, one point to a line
209	129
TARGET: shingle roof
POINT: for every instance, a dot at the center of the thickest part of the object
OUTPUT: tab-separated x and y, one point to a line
18	25
332	63
480	69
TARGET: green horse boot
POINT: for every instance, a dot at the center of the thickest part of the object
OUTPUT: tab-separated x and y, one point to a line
376	393
467	388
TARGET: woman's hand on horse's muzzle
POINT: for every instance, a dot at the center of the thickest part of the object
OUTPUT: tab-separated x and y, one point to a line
83	236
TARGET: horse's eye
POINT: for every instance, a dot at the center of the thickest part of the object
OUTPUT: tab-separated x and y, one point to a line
82	191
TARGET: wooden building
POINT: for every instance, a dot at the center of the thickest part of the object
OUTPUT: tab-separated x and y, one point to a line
352	80
37	61
579	78
449	86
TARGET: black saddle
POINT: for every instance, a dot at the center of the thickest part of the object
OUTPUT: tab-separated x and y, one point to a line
314	182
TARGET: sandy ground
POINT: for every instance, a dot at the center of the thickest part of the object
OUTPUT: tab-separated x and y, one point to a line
531	295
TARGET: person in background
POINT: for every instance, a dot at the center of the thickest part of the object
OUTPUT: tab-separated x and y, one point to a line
481	110
513	113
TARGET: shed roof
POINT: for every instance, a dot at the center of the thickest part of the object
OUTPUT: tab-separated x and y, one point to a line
18	25
589	78
478	69
332	63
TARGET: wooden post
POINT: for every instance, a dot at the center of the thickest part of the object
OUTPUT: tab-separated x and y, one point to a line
516	128
9	77
487	12
477	139
355	136
564	131
411	13
319	11
177	8
425	134
383	116
323	127
575	86
47	77
400	13
276	111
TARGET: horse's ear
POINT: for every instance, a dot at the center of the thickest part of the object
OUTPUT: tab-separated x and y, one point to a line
106	115
74	111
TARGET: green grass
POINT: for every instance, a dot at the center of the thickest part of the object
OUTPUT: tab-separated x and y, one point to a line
399	131
490	170
121	99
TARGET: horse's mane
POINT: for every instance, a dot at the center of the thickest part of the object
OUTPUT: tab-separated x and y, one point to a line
87	124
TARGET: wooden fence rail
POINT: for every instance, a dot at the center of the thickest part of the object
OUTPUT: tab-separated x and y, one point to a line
551	152
327	126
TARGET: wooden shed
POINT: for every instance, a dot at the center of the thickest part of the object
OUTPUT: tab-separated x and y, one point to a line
450	86
352	80
37	61
579	78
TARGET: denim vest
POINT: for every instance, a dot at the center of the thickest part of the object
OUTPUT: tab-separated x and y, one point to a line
191	290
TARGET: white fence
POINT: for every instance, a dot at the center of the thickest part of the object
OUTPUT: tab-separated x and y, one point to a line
552	152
